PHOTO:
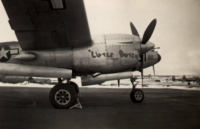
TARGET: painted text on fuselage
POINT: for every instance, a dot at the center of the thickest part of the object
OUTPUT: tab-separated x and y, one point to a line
110	54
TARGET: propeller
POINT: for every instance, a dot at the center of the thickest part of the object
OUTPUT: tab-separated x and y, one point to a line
133	30
118	81
149	31
147	35
142	74
154	71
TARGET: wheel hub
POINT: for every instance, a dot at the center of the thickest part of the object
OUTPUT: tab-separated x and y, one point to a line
138	95
62	97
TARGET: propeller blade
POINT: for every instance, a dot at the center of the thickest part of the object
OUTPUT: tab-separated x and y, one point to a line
142	69
118	81
153	70
134	30
148	32
142	76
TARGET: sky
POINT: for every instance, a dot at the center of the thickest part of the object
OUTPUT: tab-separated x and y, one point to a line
177	32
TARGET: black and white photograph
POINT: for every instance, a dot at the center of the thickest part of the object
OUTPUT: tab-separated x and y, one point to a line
99	64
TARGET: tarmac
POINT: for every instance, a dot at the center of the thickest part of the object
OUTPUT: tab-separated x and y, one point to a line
103	108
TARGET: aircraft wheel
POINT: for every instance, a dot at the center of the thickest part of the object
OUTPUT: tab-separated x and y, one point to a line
137	96
75	86
63	96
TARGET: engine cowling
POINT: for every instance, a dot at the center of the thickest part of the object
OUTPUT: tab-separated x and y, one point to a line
90	80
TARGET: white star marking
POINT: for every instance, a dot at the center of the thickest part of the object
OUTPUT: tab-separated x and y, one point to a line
3	53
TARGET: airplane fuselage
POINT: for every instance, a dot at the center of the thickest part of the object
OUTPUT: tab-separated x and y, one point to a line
107	54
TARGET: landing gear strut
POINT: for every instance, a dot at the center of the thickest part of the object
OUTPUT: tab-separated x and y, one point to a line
136	95
64	96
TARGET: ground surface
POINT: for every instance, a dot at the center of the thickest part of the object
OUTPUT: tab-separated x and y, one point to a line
29	108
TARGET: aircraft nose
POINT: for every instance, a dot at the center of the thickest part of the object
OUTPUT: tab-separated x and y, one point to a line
159	57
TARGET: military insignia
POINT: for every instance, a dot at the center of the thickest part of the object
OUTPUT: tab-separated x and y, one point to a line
4	53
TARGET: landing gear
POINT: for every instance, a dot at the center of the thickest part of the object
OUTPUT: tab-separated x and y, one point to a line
75	86
63	96
136	95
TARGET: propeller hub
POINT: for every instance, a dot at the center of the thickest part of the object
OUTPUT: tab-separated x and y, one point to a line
146	47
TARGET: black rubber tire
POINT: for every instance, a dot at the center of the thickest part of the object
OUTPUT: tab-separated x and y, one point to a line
75	86
136	92
70	89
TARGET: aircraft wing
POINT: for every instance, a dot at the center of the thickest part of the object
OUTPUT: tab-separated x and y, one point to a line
46	24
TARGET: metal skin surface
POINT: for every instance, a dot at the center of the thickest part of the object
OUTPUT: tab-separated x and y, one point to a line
21	79
34	71
108	54
13	79
89	80
40	24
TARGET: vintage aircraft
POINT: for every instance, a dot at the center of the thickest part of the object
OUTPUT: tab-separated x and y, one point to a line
54	41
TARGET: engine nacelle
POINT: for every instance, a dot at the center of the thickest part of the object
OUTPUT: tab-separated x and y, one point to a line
34	71
13	79
90	80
